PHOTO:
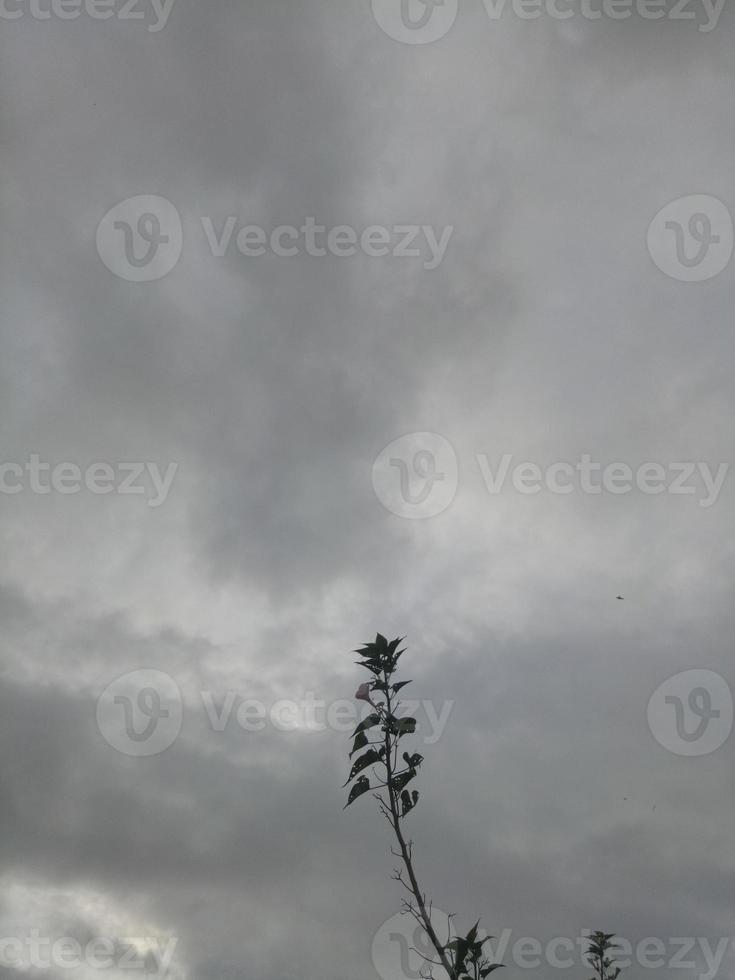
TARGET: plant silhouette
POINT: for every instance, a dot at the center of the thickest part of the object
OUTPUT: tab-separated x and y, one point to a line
380	738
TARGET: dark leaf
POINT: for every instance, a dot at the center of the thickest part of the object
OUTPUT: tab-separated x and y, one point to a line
370	722
361	786
368	759
460	953
405	777
360	742
406	726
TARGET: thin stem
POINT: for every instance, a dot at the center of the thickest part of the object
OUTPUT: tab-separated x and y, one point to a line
394	820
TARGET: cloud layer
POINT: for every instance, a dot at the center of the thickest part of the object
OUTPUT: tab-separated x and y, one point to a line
272	384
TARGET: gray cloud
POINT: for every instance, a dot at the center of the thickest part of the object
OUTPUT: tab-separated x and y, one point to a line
547	332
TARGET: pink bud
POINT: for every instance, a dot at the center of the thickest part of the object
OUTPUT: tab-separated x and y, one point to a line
363	692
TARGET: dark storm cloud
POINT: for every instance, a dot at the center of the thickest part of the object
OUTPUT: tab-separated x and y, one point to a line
273	383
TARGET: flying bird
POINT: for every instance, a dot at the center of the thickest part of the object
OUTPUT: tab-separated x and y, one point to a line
619	596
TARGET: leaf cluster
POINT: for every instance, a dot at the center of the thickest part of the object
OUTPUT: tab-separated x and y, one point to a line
601	956
380	732
468	958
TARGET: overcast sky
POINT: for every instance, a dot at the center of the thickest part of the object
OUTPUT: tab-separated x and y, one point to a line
292	292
